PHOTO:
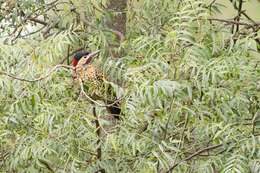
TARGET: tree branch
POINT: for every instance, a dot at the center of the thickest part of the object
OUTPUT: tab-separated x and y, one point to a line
36	20
257	24
242	12
98	132
239	10
37	79
194	155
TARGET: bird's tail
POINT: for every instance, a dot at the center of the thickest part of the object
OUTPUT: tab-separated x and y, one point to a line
114	108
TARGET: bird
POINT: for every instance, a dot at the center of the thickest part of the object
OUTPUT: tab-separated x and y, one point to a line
94	81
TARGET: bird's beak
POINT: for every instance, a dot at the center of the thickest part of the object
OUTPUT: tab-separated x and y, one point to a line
90	56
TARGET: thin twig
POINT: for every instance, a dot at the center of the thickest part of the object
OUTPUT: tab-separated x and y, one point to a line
72	53
47	165
182	137
31	33
253	123
17	36
212	2
95	102
68	55
194	155
119	34
167	123
36	20
243	13
37	79
257	24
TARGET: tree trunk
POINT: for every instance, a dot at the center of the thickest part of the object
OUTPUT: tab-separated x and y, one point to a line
116	21
117	9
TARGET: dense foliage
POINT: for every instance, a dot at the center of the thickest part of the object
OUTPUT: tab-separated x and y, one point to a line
189	86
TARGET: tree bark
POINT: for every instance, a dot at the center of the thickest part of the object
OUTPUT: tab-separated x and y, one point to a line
116	21
118	18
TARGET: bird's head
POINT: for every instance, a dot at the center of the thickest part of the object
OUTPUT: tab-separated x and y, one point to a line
87	55
82	58
78	56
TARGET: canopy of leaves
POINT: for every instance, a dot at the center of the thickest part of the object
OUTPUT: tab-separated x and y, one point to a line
188	83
